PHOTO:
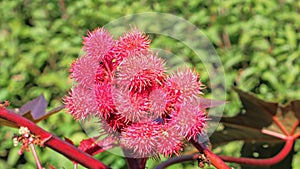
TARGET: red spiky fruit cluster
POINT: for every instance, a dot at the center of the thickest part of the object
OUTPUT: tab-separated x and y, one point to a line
142	107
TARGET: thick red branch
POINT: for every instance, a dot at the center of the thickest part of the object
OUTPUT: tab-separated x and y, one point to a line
214	159
263	162
134	163
54	142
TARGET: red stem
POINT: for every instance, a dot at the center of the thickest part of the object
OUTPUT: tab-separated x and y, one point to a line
296	135
134	163
54	142
274	134
295	126
214	159
279	124
175	160
36	157
264	162
108	69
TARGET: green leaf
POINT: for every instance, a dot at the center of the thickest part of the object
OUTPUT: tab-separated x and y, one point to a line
13	156
291	35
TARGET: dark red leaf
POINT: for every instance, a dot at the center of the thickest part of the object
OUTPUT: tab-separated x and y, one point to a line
69	141
259	115
89	146
266	150
262	126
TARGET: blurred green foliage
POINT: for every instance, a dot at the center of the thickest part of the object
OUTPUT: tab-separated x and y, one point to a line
257	41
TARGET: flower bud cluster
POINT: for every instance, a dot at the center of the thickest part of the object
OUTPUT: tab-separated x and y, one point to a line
147	110
25	138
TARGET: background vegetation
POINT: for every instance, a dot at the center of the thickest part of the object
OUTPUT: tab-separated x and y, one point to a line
257	41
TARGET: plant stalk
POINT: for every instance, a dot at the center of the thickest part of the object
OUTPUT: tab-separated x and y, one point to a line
54	142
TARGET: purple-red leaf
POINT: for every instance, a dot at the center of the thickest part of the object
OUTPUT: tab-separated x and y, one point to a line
34	110
36	107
